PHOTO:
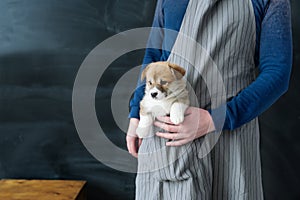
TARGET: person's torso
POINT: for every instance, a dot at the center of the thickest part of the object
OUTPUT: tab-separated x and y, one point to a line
174	11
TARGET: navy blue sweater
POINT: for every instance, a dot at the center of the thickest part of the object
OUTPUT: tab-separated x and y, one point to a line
273	57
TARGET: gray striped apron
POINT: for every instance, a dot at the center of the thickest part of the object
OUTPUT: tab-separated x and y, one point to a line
229	168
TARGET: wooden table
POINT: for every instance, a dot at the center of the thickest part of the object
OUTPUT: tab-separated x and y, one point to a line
42	190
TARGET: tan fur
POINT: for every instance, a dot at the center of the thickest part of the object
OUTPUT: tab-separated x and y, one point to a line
143	76
177	68
143	110
164	68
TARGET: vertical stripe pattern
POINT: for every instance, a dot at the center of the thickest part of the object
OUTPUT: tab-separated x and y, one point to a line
225	29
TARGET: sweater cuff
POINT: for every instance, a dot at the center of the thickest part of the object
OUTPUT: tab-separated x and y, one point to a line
218	118
134	112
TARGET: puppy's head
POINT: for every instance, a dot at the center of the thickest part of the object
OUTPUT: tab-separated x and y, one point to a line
159	76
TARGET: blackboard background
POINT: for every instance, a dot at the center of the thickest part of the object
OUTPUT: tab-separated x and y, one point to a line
43	43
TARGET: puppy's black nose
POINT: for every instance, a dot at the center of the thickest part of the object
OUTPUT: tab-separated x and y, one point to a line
154	94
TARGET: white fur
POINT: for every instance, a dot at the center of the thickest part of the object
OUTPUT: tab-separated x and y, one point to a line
156	107
177	112
161	107
144	128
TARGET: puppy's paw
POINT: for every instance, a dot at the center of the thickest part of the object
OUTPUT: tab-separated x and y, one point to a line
176	118
177	112
145	126
144	132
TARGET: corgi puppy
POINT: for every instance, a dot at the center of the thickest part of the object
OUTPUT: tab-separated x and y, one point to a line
165	94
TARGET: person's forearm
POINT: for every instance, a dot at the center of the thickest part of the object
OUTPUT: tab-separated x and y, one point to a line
151	55
275	63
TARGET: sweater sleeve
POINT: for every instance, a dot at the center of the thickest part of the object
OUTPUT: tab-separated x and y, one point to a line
151	55
275	62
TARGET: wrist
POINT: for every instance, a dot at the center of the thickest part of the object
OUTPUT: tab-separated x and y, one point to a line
133	124
220	118
211	125
134	121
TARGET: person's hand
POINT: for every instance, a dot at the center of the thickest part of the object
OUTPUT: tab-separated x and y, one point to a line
197	122
132	140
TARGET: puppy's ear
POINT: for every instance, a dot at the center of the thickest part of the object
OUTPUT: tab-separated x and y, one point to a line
143	76
178	71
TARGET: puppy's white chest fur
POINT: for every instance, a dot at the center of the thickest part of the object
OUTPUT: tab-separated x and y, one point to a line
156	107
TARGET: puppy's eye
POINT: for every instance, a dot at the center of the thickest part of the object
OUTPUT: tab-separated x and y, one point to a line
150	83
163	82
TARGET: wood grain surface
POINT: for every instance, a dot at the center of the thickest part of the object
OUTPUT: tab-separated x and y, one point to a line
42	190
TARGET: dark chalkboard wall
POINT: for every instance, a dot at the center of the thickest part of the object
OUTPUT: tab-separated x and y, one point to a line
43	43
